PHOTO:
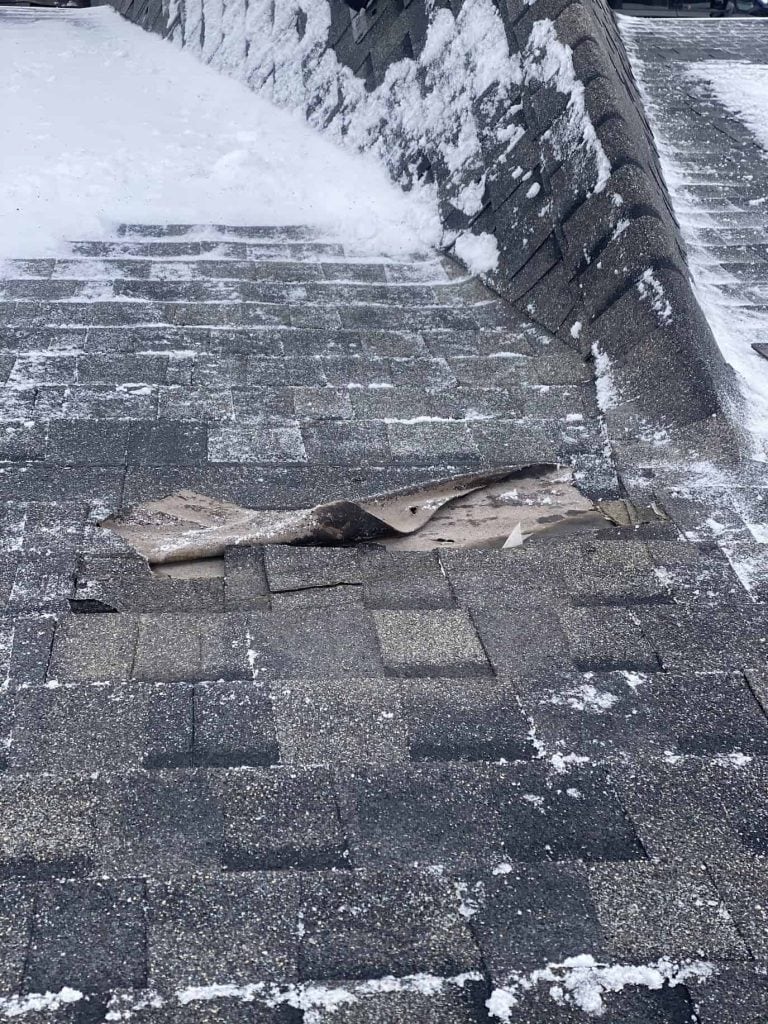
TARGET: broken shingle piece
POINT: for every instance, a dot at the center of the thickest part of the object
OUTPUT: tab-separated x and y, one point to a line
297	568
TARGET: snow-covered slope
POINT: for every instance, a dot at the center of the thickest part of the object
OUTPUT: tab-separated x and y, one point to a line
523	120
103	123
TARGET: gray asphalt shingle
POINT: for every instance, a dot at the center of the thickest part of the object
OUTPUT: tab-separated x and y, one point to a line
326	766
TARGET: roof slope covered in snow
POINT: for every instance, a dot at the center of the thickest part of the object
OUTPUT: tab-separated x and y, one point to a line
706	89
525	120
165	138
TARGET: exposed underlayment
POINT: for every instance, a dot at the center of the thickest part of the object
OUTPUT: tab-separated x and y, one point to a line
495	509
347	783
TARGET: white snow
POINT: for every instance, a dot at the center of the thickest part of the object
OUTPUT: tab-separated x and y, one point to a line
586	697
504	868
102	122
652	290
425	109
735	759
480	253
607	394
759	531
560	762
38	1002
130	129
583	982
546	59
741	87
208	993
318	1002
635	679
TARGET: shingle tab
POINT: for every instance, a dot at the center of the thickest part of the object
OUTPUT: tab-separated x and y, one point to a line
417	643
420	814
374	924
89	934
282	818
220	931
649	911
531	914
340	721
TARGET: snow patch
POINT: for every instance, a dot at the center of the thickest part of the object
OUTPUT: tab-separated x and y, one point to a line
741	87
735	759
759	531
316	1001
586	698
480	253
39	1002
503	869
561	762
634	679
160	139
582	982
650	288
607	393
423	114
549	61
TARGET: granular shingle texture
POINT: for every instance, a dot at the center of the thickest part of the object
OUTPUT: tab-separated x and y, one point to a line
407	778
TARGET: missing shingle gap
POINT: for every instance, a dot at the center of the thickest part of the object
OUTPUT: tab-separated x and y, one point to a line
186	534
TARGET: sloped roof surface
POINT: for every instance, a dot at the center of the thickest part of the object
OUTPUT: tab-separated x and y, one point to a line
325	766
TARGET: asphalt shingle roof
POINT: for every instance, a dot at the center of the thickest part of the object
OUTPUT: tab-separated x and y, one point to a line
321	767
